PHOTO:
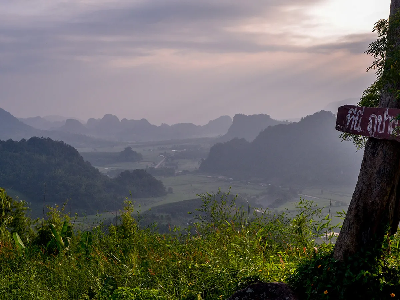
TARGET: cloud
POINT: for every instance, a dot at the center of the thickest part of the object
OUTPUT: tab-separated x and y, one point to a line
164	58
140	27
354	43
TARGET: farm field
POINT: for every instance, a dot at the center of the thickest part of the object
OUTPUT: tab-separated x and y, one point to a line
333	199
188	182
189	186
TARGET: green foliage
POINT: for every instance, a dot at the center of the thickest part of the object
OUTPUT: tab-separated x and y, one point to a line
136	294
13	218
366	275
225	250
18	242
41	166
217	209
54	234
85	244
358	140
62	238
378	50
386	64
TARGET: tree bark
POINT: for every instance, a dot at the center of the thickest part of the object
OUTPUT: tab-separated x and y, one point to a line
375	205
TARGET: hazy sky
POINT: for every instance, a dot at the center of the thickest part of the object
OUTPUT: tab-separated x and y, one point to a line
183	60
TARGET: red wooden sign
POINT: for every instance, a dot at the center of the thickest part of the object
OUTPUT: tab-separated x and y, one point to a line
374	122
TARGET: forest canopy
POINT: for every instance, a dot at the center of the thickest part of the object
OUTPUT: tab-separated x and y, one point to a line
41	167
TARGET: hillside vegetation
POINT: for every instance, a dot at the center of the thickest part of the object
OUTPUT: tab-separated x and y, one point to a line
307	152
107	158
225	250
41	167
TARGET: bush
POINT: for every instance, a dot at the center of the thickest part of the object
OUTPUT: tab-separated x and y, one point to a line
227	248
371	274
13	218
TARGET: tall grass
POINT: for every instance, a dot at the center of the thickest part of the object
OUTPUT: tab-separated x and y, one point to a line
223	251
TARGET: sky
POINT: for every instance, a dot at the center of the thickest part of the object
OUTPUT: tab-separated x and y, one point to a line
173	61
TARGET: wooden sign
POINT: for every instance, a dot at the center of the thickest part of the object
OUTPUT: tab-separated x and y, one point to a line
374	122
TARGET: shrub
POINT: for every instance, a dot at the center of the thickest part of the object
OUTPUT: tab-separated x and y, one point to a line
371	274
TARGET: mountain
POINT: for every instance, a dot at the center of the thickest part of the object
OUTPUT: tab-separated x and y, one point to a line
41	166
248	127
309	151
73	126
42	123
111	128
12	128
219	126
109	124
55	118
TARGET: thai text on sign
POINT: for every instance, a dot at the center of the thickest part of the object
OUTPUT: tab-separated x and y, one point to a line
374	122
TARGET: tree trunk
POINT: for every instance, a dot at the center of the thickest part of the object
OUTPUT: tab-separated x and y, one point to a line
375	204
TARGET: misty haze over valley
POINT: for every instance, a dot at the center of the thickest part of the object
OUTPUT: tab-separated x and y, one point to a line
266	162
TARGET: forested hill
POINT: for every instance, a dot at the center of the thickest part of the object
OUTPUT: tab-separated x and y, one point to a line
38	164
309	151
248	127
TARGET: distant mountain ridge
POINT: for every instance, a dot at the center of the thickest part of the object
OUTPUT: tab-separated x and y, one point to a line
110	127
12	128
105	130
309	151
42	123
248	126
